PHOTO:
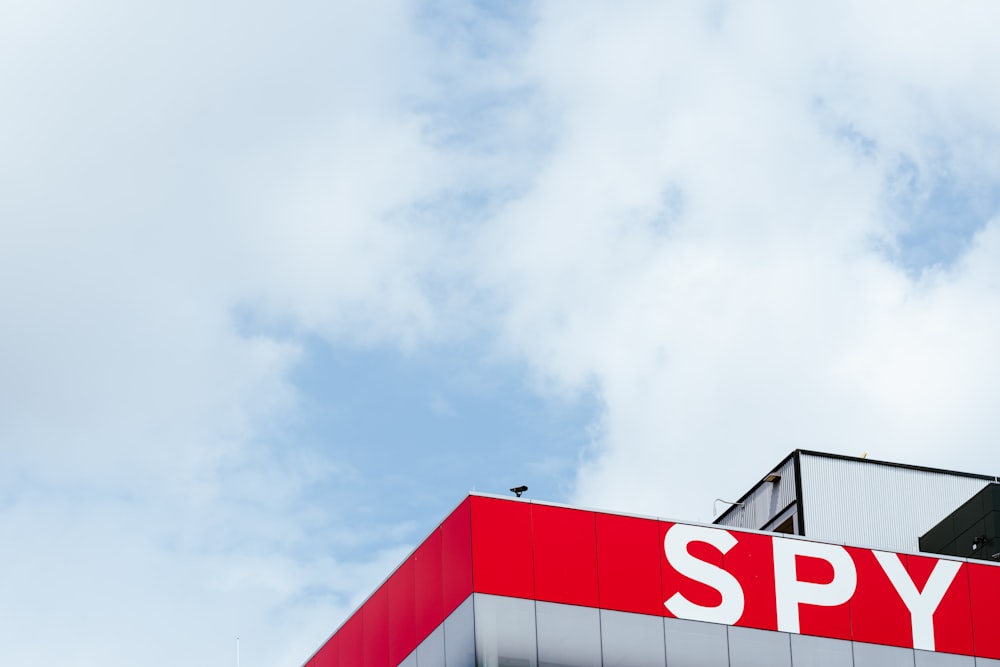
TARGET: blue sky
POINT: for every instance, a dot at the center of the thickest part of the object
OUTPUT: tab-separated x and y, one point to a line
448	420
281	283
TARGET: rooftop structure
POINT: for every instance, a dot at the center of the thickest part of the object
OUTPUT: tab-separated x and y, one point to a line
852	500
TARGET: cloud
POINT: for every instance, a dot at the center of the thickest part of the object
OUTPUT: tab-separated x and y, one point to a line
706	246
742	228
188	194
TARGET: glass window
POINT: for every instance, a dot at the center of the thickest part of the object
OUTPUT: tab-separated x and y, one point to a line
810	651
631	640
932	659
758	648
505	632
430	653
876	655
695	644
460	637
568	635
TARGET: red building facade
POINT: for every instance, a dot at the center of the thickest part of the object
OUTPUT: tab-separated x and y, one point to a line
515	582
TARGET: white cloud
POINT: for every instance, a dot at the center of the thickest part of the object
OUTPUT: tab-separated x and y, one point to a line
186	193
698	213
760	314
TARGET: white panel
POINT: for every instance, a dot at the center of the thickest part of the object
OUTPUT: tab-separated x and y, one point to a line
459	636
568	635
631	640
876	655
865	503
695	644
430	653
505	632
929	659
758	648
810	651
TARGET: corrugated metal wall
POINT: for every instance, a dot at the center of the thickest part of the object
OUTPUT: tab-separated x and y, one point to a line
765	501
866	503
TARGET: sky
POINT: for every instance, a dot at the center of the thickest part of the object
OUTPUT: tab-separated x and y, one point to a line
282	282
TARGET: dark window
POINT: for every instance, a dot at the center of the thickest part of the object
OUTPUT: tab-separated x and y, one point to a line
787	526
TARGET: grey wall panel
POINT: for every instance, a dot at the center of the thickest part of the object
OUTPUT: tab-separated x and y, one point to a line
875	655
492	631
460	636
758	648
505	632
568	635
808	651
929	659
410	660
765	502
695	644
865	503
631	640
430	653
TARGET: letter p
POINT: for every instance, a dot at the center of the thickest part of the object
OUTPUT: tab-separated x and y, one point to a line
790	592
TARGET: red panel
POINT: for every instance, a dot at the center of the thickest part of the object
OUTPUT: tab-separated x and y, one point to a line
953	618
329	655
402	605
333	654
751	561
984	585
376	629
456	557
428	586
629	552
565	553
878	615
351	639
501	547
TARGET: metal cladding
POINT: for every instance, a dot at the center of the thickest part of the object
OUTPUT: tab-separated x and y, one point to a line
537	571
877	504
854	501
765	502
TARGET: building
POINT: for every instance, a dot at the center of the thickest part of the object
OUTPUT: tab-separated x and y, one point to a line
817	565
857	501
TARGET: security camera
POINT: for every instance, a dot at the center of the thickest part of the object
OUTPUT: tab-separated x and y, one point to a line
518	490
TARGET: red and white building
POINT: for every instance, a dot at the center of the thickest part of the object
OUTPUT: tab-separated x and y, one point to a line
506	582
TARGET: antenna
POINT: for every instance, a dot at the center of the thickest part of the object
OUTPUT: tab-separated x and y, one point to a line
237	652
715	511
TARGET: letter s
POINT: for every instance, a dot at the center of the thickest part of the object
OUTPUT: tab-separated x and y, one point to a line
675	547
